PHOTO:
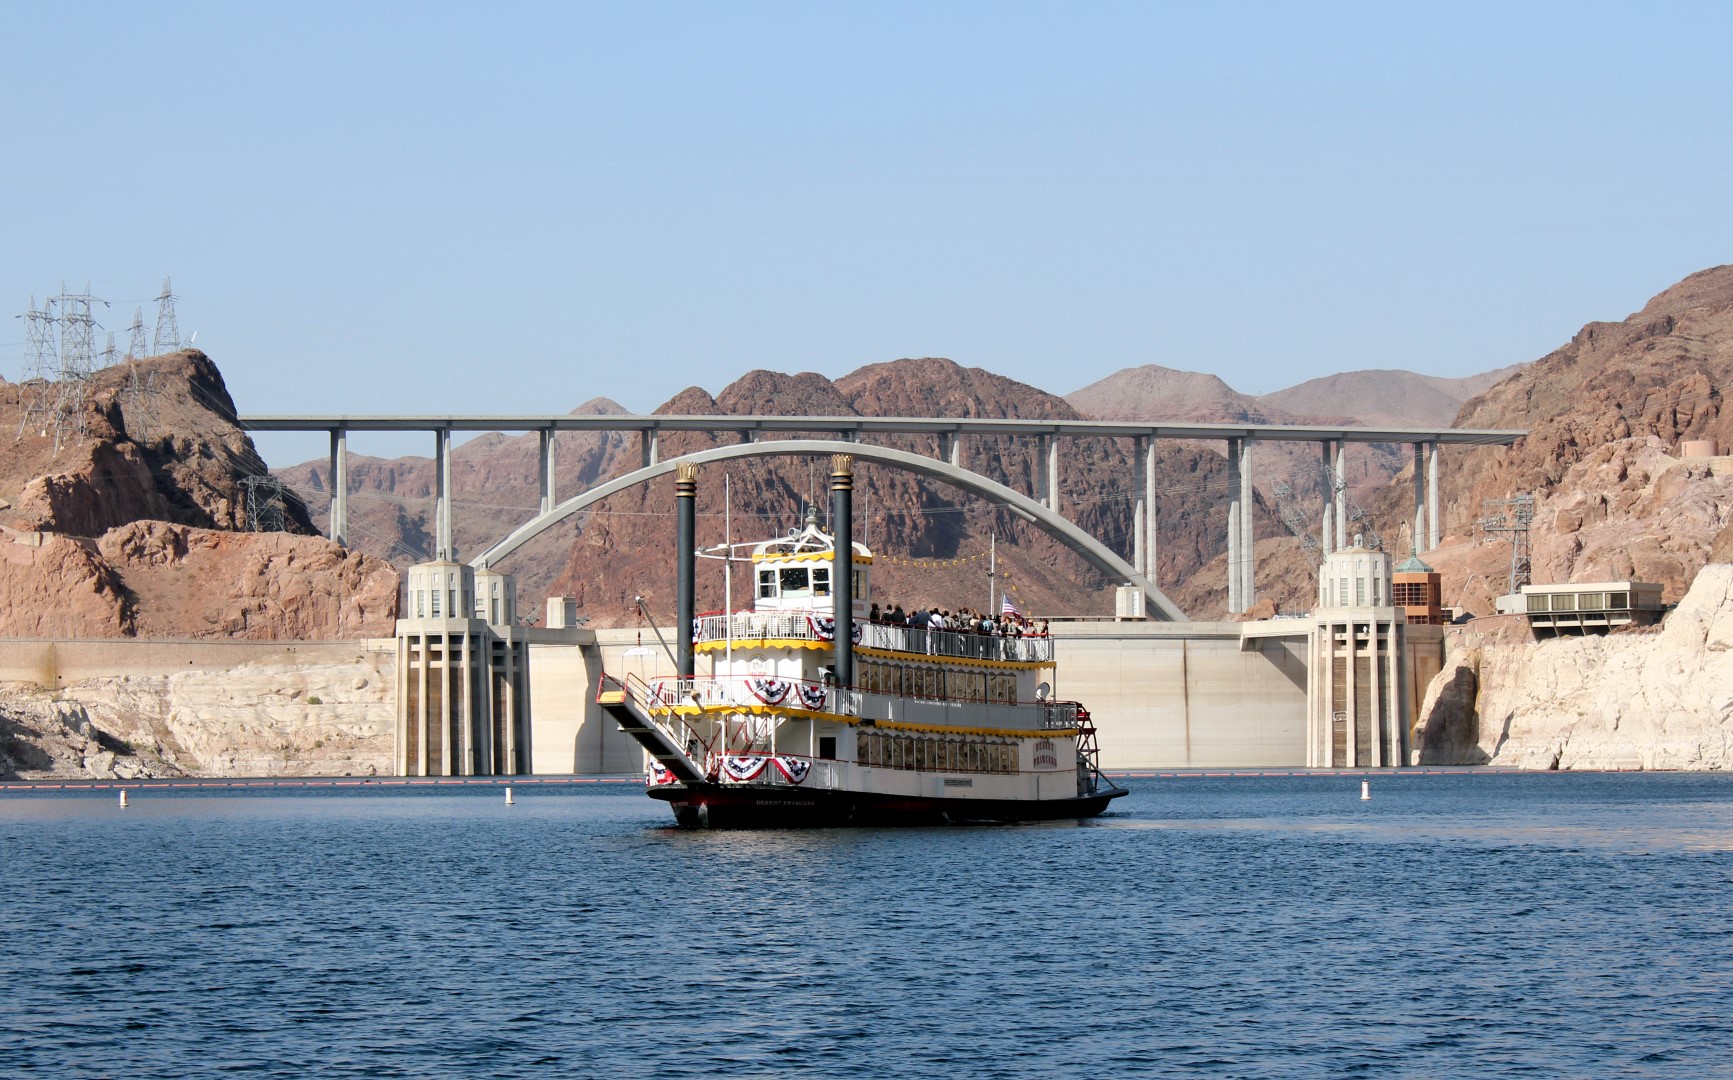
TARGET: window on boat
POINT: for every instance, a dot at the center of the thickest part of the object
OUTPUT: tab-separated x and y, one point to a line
766	584
794	581
821	581
857	582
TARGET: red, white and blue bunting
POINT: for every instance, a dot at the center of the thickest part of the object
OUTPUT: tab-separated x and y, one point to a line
697	631
824	628
741	768
768	688
659	775
812	696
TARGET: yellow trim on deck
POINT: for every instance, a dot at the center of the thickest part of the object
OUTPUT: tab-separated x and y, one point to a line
721	645
809	556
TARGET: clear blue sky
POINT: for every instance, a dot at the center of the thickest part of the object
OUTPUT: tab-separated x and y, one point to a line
514	208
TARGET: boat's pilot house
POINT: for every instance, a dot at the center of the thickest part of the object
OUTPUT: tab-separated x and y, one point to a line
794	572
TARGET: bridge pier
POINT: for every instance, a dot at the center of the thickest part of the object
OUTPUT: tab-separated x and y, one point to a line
1340	494
1433	538
1248	534
649	450
338	475
1235	579
545	469
1050	448
442	494
1151	547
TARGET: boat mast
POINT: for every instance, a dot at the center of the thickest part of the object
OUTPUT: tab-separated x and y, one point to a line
992	573
727	577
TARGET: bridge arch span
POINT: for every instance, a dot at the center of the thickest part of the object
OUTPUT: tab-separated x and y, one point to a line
1092	550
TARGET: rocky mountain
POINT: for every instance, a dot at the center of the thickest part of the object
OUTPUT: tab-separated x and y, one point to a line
1291	476
1607	415
1153	392
933	541
124	512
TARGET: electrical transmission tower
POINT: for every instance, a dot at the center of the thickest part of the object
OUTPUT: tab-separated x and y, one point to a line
108	354
168	335
41	362
1510	518
265	503
1296	522
77	364
135	350
1362	524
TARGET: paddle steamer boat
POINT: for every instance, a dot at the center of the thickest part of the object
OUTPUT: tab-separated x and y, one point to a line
812	714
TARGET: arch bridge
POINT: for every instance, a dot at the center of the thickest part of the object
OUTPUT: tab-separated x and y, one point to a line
1041	509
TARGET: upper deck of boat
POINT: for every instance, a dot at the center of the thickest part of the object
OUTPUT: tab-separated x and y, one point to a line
809	629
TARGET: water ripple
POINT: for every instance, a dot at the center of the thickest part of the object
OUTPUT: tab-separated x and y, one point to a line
1494	925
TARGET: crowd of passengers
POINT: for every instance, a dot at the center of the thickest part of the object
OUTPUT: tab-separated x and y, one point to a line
963	621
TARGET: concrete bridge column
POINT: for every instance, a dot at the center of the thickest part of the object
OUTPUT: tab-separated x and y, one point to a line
442	493
338	475
1151	548
648	450
545	470
1137	538
1050	444
1235	605
1419	495
1340	484
953	449
1327	530
1432	533
1248	535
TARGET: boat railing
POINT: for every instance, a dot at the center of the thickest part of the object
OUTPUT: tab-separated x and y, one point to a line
773	768
749	626
668	692
653	702
664	695
1062	714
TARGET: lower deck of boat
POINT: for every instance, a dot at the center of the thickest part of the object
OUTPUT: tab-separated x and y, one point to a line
734	806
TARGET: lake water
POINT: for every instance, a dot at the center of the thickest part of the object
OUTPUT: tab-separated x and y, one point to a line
1481	924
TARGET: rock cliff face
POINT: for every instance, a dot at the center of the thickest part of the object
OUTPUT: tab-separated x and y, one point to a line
258	719
1651	699
1606	414
134	529
160	444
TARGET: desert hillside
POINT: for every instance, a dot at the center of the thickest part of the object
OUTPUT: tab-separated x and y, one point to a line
1608	413
933	541
131	520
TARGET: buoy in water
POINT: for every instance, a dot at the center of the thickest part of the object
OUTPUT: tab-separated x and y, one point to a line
123	798
1365	790
508	799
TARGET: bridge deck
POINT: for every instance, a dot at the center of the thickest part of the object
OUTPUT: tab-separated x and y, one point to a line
886	425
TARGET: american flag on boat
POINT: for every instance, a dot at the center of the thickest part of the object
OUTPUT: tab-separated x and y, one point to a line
1006	607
